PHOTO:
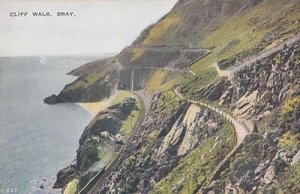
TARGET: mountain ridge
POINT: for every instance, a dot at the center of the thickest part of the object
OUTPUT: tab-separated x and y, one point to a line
184	51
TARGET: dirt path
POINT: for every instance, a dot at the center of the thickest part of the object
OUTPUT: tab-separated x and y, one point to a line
241	130
166	47
159	68
231	71
221	73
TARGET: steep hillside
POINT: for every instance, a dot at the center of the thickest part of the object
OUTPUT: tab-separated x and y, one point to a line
96	81
220	81
214	31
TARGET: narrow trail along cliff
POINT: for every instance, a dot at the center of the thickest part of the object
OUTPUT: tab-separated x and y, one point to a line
241	129
231	71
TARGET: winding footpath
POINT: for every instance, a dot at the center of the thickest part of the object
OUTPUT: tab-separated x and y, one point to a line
247	62
241	130
99	179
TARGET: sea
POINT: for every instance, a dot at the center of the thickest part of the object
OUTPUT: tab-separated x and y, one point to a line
36	139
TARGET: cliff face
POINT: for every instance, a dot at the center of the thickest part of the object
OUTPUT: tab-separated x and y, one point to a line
98	143
172	44
257	89
267	92
95	82
163	141
241	59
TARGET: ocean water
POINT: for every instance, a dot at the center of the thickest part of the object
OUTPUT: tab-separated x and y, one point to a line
36	140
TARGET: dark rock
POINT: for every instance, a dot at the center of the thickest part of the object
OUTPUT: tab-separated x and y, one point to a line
64	176
214	91
103	131
51	99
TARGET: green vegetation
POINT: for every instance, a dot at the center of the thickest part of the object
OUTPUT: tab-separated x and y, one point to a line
162	80
120	96
137	53
290	106
290	141
297	171
195	168
246	30
89	80
131	121
156	80
289	180
72	187
278	58
194	84
169	101
162	27
106	155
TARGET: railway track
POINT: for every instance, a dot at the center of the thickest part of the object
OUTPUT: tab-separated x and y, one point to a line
98	181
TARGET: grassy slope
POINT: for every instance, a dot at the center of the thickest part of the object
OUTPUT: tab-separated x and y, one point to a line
247	30
193	170
72	187
107	155
194	83
128	125
170	101
240	34
137	53
229	34
162	28
120	96
234	35
162	80
157	81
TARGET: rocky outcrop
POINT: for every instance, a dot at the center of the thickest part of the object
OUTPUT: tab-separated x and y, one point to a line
216	91
258	89
268	83
102	134
96	81
172	44
260	167
160	144
173	129
188	131
260	92
65	175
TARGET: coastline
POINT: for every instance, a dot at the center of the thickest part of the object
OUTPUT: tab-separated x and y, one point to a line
94	107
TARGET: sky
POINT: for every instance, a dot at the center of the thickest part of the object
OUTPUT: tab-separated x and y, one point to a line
98	27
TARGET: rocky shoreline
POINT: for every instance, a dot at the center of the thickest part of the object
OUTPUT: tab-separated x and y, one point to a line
101	136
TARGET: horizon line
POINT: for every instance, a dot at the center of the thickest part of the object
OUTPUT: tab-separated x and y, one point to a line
62	55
